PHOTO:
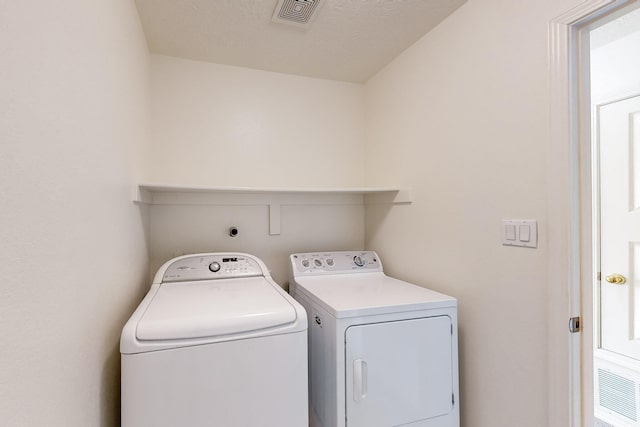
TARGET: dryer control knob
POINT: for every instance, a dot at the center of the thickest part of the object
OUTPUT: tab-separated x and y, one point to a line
357	260
214	266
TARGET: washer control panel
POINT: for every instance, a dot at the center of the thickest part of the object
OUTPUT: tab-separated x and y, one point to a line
211	266
313	263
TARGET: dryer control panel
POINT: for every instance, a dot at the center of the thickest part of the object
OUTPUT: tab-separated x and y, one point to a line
315	263
211	266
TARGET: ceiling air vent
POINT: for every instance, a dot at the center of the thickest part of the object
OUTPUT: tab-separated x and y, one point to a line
299	13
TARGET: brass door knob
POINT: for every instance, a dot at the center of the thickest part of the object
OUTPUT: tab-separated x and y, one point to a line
616	279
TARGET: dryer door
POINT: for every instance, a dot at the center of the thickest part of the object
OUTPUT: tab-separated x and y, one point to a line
398	372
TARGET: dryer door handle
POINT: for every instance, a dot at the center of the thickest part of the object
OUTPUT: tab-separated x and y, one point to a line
359	380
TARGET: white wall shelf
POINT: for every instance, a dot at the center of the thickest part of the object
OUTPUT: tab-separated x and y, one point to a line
160	194
155	194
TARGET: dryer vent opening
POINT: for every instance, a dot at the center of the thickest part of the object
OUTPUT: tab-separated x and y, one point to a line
298	13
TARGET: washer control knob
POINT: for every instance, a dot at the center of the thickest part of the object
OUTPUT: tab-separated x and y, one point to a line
305	263
214	266
357	260
329	262
317	262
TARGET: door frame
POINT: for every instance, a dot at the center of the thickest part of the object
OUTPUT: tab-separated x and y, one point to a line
570	217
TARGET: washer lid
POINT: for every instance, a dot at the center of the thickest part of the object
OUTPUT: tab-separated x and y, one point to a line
212	308
365	294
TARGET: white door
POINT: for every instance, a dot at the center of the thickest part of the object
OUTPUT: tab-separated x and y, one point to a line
398	372
619	154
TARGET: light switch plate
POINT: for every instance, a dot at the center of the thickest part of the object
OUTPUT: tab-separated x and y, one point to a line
526	232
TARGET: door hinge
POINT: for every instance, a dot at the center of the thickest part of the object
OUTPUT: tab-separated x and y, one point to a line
599	276
574	325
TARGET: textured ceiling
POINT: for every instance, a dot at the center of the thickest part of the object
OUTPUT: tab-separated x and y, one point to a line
349	40
616	29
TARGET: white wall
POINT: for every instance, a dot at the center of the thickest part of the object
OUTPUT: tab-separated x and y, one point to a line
308	223
462	118
73	128
231	126
219	125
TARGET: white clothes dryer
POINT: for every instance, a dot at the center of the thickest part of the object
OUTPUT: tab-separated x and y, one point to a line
382	352
215	342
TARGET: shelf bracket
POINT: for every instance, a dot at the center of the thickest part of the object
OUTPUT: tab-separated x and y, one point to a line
274	219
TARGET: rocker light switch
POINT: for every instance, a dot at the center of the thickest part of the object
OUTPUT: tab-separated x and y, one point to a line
520	232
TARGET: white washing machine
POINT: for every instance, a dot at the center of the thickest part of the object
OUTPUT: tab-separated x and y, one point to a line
382	352
215	342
